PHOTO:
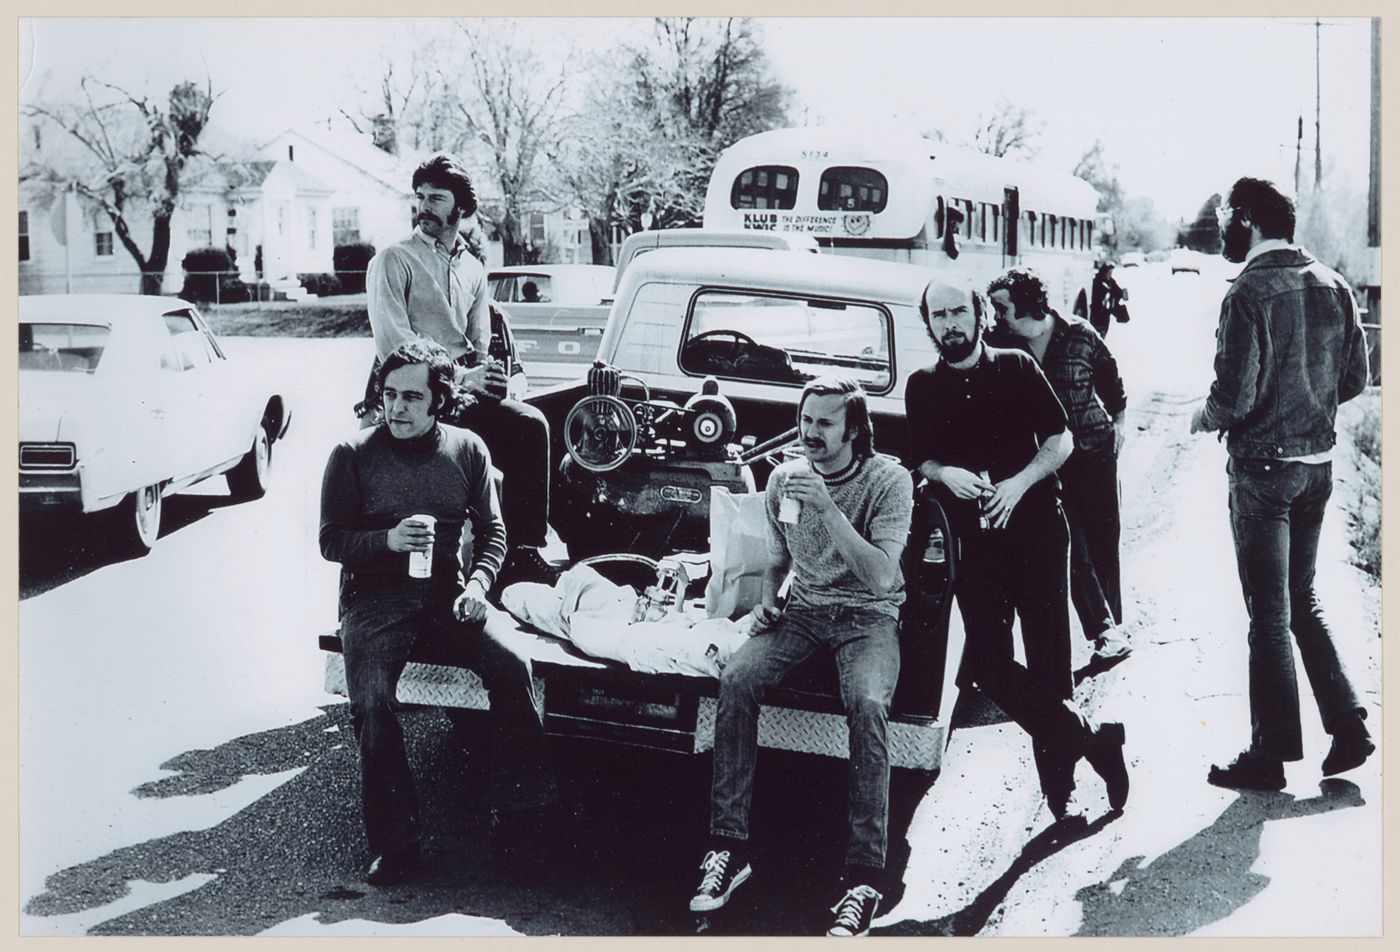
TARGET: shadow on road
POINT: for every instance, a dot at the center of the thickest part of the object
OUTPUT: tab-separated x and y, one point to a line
57	548
1204	879
626	862
970	920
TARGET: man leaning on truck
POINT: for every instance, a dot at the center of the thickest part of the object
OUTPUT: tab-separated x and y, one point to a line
839	519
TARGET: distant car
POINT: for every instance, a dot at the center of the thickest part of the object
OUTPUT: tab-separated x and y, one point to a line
1184	259
644	241
125	399
1132	259
532	290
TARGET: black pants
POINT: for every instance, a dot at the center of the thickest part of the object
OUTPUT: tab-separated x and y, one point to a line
517	435
1089	481
379	627
1021	570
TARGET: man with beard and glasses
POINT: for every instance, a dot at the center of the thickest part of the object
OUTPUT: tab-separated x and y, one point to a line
838	520
1085	378
431	286
989	434
375	489
1290	347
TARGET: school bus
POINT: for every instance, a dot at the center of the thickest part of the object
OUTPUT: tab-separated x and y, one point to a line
902	197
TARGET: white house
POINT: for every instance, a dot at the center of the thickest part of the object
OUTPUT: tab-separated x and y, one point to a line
283	212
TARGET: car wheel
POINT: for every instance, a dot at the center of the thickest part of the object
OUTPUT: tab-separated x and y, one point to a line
137	521
248	480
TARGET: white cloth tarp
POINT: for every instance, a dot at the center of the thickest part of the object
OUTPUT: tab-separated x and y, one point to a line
596	615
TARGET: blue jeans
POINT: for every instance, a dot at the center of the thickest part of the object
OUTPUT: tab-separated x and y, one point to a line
379	627
1276	511
1089	481
865	645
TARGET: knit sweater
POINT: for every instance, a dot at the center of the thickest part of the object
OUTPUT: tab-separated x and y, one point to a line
374	480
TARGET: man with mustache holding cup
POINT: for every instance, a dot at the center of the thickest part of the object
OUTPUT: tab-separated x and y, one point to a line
838	520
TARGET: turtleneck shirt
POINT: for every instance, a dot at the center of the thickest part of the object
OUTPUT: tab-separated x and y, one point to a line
374	480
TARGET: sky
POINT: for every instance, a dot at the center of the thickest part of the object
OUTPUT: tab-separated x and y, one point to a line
1183	105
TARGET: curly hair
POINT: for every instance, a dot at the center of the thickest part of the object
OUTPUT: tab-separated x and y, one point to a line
857	409
444	170
1026	289
443	381
1265	205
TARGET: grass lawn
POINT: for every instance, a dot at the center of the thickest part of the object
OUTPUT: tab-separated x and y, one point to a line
338	316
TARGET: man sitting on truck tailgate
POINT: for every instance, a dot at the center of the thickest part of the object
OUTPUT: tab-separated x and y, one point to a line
839	519
989	434
377	486
430	285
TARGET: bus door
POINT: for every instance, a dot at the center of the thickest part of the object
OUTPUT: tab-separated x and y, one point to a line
1011	223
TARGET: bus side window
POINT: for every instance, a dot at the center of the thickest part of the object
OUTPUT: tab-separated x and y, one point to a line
1030	227
1053	221
996	223
967	218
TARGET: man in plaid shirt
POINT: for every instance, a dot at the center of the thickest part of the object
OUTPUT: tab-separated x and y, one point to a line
1085	378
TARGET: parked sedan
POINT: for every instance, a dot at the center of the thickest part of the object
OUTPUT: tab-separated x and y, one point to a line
125	399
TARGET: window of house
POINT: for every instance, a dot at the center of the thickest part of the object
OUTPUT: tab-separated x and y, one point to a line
765	186
24	236
103	243
788	340
851	189
311	228
536	229
345	226
199	227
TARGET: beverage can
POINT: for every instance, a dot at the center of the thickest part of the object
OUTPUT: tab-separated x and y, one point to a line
420	564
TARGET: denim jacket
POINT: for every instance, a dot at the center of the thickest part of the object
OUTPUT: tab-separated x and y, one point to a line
1289	349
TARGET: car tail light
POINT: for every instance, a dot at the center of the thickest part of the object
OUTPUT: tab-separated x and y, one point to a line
47	456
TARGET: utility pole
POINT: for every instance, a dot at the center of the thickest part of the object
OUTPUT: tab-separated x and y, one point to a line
1317	63
1298	161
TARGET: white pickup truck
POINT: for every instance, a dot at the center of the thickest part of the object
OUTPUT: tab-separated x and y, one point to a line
760	325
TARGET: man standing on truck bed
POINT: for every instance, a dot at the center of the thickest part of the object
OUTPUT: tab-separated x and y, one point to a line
839	520
430	285
1289	349
376	487
989	434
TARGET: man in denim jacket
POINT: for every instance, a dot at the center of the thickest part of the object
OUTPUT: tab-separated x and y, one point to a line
1289	349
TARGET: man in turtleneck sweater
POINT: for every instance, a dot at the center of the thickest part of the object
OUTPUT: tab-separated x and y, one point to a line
375	484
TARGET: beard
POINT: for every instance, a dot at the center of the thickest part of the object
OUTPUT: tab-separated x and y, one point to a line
960	348
1236	242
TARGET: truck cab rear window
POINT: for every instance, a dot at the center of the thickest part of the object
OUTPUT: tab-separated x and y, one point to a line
786	340
852	189
765	186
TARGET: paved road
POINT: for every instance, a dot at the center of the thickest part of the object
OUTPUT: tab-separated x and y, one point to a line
183	773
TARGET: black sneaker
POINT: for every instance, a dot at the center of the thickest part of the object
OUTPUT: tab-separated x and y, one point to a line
855	911
722	877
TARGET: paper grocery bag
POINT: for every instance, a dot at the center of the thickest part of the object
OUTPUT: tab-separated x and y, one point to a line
738	552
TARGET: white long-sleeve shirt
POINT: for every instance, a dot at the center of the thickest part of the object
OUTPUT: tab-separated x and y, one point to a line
418	288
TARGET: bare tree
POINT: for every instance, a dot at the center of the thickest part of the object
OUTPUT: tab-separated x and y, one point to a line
134	154
507	99
1008	130
703	83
